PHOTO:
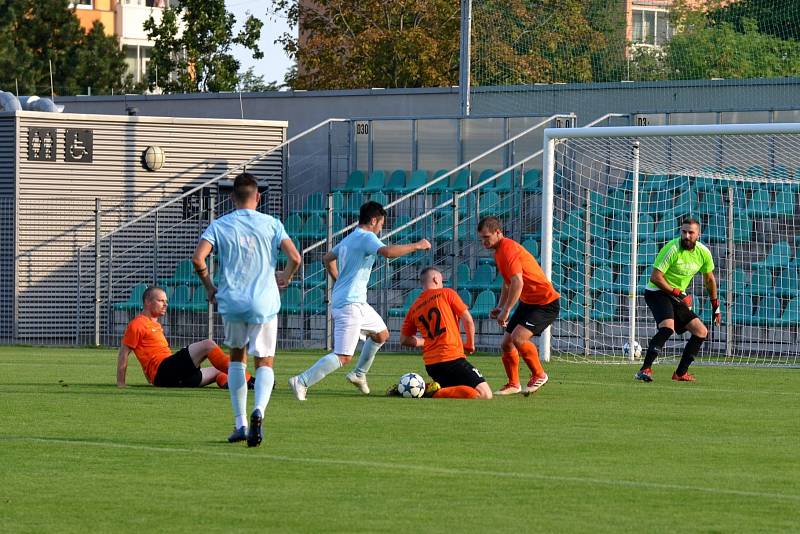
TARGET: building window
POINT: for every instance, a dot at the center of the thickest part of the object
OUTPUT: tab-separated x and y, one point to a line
81	4
651	27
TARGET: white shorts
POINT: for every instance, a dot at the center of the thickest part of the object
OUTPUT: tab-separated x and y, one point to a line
260	339
351	323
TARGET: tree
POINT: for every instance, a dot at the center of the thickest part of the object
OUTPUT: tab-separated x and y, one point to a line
250	82
36	33
372	43
193	43
779	18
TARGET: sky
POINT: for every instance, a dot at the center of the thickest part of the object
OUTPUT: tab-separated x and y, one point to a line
275	63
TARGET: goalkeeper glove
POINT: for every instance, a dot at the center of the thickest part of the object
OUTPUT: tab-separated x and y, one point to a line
716	311
682	297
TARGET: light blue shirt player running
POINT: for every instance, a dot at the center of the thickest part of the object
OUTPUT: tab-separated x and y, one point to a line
247	243
350	263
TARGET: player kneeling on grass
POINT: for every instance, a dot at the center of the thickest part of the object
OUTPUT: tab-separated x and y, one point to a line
435	314
145	337
676	264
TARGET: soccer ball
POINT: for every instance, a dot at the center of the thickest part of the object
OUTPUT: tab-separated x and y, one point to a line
411	386
637	349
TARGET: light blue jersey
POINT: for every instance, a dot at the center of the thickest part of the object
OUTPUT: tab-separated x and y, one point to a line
247	243
355	255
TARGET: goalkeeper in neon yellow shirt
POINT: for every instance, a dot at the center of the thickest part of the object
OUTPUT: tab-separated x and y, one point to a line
675	266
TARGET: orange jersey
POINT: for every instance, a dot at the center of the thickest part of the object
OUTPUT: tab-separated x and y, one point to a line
512	259
435	315
146	337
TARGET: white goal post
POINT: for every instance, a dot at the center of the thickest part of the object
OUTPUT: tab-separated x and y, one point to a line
613	196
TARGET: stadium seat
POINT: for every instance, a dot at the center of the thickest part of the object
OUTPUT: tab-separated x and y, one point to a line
314	275
379	197
502	184
714	230
646	253
410	297
621	255
742	228
184	274
667	228
443	228
532	181
572	253
447	196
741	281
598	226
572	226
645	227
620	226
616	203
600	253
134	301
779	255
755	171
315	204
575	278
315	301
466	296
464	274
492	203
787	283
484	303
485	174
532	246
442	185
602	278
291	300
760	203
644	277
381	273
417	179
484	278
397	181
293	225
415	258
742	309
711	202
376	182
761	281
412	233
314	227
574	308
346	205
791	315
181	298
604	306
768	311
622	280
199	302
355	182
460	181
785	201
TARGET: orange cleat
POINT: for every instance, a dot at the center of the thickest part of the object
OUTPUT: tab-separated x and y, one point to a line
535	383
645	375
686	377
508	389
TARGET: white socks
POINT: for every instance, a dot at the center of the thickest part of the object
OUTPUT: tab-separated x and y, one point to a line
237	384
265	379
367	356
324	366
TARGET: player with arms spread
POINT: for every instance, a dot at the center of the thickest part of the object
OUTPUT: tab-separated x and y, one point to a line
435	314
523	282
350	263
676	264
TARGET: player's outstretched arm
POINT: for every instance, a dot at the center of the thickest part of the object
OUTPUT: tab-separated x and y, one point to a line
201	252
395	251
329	261
469	331
122	365
293	260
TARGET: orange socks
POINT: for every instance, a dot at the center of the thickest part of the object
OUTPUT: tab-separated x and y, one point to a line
456	392
511	365
531	357
220	361
222	380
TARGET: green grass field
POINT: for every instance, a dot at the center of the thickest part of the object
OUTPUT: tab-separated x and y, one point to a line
593	451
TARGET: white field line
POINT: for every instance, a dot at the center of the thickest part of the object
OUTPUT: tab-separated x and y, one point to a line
428	469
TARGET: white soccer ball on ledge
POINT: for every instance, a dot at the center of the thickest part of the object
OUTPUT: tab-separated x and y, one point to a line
637	350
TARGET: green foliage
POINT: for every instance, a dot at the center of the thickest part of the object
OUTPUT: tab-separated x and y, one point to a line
193	44
593	451
779	18
252	83
35	33
372	43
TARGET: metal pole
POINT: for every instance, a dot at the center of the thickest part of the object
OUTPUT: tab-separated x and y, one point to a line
78	301
454	248
464	61
548	176
587	271
97	222
729	292
155	249
329	283
634	252
212	208
109	286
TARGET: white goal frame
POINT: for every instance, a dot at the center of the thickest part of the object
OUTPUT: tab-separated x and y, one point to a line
554	136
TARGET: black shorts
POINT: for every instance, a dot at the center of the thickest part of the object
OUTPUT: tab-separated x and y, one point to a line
455	373
666	306
534	317
178	371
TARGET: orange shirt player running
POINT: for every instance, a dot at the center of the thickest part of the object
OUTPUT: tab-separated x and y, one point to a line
431	315
146	337
512	258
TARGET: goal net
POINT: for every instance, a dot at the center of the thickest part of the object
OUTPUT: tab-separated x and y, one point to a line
614	196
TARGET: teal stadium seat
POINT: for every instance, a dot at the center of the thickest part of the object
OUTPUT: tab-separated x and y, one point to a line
291	300
485	277
355	182
347	205
485	174
466	296
199	302
573	252
600	253
502	184
645	228
760	203
375	182
412	233
791	315
646	253
485	302
532	181
779	255
574	308
575	278
181	298
314	227
183	274
604	306
134	301
464	274
397	181
769	311
602	278
293	225
761	281
460	181
620	227
785	200
378	197
742	309
572	226
315	301
442	185
787	283
621	255
315	204
417	179
532	246
409	299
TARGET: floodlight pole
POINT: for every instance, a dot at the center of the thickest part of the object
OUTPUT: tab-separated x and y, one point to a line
464	62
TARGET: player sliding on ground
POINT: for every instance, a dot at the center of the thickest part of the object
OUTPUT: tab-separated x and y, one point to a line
350	263
145	337
675	266
435	314
247	244
523	282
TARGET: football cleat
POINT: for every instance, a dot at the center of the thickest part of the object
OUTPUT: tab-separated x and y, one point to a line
535	383
685	377
255	434
509	389
298	388
359	380
393	391
239	434
431	388
644	375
